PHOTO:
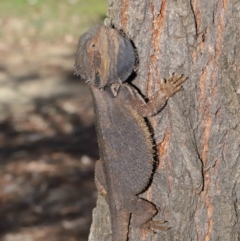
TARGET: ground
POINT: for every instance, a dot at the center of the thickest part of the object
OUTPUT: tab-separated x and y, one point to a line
47	142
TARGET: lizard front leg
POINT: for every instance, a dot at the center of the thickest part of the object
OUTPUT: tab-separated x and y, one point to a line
167	89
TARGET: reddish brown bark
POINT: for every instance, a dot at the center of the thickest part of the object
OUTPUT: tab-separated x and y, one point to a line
197	182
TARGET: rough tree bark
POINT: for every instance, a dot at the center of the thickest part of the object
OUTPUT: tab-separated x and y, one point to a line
197	182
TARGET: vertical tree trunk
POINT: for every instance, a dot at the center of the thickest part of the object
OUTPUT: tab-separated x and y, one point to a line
197	182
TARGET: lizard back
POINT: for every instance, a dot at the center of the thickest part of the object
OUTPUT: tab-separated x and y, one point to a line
124	142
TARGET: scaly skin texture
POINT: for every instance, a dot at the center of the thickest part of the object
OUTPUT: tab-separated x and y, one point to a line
106	59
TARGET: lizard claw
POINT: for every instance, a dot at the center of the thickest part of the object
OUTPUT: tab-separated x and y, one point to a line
177	79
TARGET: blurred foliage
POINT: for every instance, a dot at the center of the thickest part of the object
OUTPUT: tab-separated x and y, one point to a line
48	145
44	19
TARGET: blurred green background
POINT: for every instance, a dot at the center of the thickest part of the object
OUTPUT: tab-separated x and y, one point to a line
48	145
49	20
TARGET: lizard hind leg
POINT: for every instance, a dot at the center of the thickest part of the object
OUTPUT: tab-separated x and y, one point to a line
142	213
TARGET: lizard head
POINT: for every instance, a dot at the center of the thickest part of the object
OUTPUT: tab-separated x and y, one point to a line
104	57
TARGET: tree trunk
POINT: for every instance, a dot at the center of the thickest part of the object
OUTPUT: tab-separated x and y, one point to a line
196	185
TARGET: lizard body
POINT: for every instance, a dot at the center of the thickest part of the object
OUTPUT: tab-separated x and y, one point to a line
106	59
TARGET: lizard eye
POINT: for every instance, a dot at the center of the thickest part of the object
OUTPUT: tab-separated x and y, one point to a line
93	46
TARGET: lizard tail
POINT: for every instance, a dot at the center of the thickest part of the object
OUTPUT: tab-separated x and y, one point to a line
120	225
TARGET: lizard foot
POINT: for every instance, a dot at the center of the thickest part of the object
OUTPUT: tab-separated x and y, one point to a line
172	85
151	225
